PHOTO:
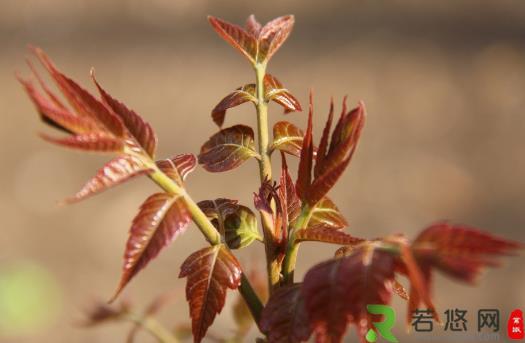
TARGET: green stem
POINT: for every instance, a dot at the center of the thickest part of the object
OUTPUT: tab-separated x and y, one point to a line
265	172
292	248
250	296
155	328
206	227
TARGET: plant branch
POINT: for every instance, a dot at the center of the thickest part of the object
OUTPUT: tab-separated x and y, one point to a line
265	171
155	328
292	249
206	227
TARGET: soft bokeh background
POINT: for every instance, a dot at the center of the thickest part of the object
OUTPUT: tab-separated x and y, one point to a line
443	81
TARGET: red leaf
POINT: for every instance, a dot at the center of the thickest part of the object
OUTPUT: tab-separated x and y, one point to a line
304	178
161	218
327	235
236	36
322	184
228	149
137	127
96	141
217	210
288	138
323	145
81	100
115	172
291	205
239	96
460	251
274	90
337	291
253	26
326	213
210	271
273	35
57	116
179	167
284	318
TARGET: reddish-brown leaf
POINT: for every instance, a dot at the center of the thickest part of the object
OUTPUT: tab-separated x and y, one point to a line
228	149
161	218
179	167
100	312
322	184
304	178
273	35
217	210
236	36
239	96
262	200
81	100
337	291
291	205
326	213
57	116
284	318
253	26
459	251
323	145
210	272
95	141
327	235
288	138
115	172
136	126
274	90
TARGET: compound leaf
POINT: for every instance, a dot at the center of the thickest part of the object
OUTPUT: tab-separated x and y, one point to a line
161	219
210	272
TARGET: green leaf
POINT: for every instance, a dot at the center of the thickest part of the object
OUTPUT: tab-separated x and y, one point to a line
241	228
228	149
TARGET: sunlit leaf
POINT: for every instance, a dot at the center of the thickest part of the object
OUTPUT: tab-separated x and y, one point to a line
284	318
228	149
161	218
236	98
337	291
81	100
210	272
304	178
136	126
96	141
326	213
57	116
236	36
288	138
252	26
240	228
275	91
177	168
217	210
290	203
460	251
115	172
331	159
257	43
262	200
327	235
273	35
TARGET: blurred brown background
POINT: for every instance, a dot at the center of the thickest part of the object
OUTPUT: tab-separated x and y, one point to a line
444	85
